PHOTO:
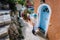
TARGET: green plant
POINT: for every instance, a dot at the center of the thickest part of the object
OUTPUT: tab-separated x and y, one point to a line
12	4
22	2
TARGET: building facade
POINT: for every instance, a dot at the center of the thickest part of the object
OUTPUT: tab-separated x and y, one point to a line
54	28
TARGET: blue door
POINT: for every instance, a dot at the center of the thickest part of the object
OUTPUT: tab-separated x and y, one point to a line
44	14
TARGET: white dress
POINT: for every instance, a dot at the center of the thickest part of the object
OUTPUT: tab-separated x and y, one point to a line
27	31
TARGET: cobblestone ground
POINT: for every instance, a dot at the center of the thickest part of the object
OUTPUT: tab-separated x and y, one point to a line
5	38
27	31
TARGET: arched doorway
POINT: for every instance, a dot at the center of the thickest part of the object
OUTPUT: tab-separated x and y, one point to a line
44	13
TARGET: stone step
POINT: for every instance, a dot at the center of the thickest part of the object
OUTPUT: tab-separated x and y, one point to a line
4	31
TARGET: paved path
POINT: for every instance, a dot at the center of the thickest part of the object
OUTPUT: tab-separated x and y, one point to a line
27	31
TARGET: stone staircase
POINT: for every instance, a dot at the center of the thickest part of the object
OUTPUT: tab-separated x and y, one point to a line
4	24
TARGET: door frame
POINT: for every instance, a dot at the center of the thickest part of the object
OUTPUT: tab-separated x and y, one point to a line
39	13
